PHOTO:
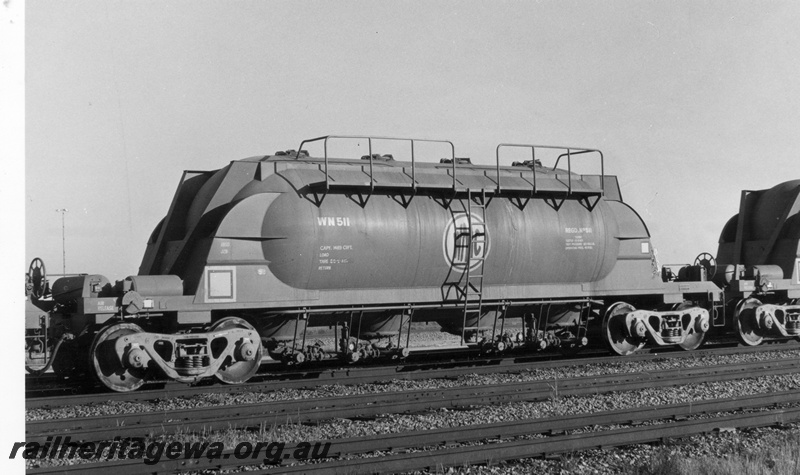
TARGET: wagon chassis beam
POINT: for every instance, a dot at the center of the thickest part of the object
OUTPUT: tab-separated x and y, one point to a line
447	306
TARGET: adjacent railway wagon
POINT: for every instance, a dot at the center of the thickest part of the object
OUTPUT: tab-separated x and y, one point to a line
252	255
758	264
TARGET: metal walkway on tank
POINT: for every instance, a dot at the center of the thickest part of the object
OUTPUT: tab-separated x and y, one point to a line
501	179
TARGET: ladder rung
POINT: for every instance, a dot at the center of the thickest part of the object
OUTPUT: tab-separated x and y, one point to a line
476	232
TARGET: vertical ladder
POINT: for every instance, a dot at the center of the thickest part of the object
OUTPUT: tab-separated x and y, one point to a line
472	290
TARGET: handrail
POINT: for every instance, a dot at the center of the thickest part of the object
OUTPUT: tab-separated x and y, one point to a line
570	152
569	166
369	139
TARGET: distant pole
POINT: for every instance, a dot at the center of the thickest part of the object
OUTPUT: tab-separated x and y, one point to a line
63	211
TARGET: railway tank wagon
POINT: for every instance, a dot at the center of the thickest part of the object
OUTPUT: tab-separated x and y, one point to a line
758	264
251	255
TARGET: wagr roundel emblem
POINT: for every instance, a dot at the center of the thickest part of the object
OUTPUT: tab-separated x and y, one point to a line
458	253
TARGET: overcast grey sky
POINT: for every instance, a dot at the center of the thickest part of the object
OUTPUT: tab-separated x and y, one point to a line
690	101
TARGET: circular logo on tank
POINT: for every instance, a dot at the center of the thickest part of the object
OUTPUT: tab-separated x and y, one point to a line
465	244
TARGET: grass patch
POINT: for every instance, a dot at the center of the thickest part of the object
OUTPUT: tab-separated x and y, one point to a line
774	457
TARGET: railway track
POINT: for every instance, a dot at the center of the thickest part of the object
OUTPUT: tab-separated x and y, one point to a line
516	449
510	440
39	397
367	405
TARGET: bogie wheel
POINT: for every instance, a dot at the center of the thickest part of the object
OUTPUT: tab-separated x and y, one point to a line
237	372
615	333
36	278
746	324
694	338
794	302
35	364
107	366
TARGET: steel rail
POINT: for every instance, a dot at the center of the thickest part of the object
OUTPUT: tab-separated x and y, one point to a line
349	375
318	376
366	405
491	452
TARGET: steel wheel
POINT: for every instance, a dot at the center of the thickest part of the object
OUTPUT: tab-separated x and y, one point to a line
35	365
107	367
794	302
745	317
694	338
236	372
615	333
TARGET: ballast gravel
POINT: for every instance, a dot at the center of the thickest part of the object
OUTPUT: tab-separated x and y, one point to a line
557	406
547	374
600	462
757	446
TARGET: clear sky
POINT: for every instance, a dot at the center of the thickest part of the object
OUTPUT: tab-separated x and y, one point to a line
690	101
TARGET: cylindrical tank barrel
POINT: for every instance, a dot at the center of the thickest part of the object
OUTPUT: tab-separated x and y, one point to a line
384	244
